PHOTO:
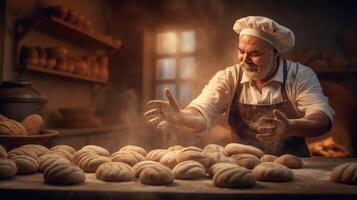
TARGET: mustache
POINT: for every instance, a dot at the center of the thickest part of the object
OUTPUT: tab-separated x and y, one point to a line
245	65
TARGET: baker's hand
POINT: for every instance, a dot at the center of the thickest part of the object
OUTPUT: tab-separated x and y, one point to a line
163	113
274	129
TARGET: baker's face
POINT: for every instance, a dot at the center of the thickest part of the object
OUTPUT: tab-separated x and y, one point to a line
256	57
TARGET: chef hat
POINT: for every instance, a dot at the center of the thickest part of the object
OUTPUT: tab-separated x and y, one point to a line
280	37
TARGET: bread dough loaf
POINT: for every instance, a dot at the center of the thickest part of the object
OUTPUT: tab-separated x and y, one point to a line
91	162
64	174
189	170
218	166
37	148
193	155
128	157
235	148
12	127
345	173
68	148
82	153
97	149
22	152
212	148
268	158
114	172
25	164
138	167
33	124
156	154
8	168
156	175
63	153
48	159
248	161
134	148
217	157
175	148
290	161
169	159
272	172
234	177
3	152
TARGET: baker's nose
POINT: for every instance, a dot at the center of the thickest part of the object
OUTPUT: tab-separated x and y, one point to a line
246	59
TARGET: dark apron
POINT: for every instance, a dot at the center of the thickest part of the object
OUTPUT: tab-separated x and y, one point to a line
243	120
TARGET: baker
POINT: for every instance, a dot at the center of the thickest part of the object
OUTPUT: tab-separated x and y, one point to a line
270	102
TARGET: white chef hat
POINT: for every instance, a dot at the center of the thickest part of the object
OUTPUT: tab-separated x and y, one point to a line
278	36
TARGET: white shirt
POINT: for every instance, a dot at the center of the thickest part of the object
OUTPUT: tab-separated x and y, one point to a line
302	87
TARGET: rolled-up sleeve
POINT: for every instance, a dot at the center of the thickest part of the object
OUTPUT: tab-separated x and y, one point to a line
215	96
310	97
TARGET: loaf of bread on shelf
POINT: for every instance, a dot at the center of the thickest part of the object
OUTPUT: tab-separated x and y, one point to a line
218	166
246	160
64	147
8	168
12	127
138	167
3	152
236	148
175	148
272	172
63	174
91	162
25	164
169	160
138	149
114	172
97	149
198	156
234	177
33	124
291	161
22	151
127	156
268	158
156	175
37	148
345	173
217	157
211	148
156	154
48	159
189	170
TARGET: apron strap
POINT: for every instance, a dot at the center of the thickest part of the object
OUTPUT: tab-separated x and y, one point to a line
285	73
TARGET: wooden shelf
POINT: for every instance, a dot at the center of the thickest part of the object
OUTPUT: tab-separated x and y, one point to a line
62	29
65	74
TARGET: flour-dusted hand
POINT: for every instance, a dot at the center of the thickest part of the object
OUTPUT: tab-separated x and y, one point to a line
165	114
273	129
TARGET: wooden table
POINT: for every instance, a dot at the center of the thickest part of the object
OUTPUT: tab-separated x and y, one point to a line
311	182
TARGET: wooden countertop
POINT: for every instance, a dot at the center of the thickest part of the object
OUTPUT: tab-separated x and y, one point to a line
311	182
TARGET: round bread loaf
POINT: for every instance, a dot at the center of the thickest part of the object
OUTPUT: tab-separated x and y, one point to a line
290	161
272	172
8	168
191	148
156	175
63	153
2	117
248	161
64	174
235	148
156	154
268	158
345	173
134	148
212	148
25	164
37	148
234	177
97	149
12	127
82	153
114	172
169	159
68	148
48	159
3	152
217	157
33	124
189	170
128	157
91	162
138	167
22	152
193	155
218	166
175	148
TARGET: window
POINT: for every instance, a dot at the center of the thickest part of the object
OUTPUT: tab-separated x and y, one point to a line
175	64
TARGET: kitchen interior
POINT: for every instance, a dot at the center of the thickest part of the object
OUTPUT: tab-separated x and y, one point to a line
89	67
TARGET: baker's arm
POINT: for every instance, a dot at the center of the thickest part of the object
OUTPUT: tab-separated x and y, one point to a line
314	124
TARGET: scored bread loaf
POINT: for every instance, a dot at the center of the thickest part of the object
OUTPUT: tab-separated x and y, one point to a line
82	153
48	159
156	175
64	174
67	148
91	162
33	124
63	153
11	127
22	152
235	148
114	172
268	158
25	164
234	177
272	172
37	148
212	148
291	161
156	154
137	149
97	149
248	161
127	156
218	166
8	168
175	148
345	173
217	157
3	152
169	159
138	167
189	170
198	156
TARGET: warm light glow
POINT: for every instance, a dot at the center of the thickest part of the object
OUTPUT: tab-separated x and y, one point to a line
166	68
187	42
167	43
187	68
